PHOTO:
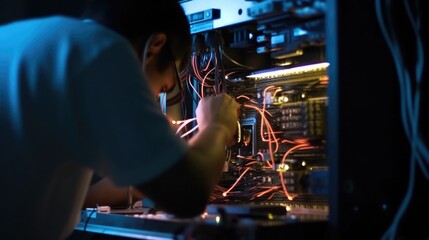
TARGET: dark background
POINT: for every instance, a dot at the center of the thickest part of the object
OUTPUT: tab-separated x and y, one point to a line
21	9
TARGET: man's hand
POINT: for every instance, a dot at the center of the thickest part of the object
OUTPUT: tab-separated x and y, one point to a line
218	111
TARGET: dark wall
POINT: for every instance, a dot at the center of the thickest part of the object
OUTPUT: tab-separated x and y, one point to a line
368	151
11	10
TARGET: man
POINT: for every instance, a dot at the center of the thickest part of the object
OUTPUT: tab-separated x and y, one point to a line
79	97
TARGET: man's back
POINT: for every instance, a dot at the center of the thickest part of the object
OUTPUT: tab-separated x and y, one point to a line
41	62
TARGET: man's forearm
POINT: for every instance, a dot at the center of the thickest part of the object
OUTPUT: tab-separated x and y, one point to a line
208	148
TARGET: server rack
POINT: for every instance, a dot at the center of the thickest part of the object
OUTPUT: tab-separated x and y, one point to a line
357	173
375	188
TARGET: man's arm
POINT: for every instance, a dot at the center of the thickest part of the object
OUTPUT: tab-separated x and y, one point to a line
184	189
105	193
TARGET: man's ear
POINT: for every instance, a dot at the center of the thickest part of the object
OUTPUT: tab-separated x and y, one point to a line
153	46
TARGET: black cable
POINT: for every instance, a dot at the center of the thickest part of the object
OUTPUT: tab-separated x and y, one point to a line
221	66
89	216
242	66
409	103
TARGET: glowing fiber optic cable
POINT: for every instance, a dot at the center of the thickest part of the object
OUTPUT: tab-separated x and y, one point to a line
236	182
263	108
183	123
288	195
292	149
248	98
271	189
264	119
189	132
192	86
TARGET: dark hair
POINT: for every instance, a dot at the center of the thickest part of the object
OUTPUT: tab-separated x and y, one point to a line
137	20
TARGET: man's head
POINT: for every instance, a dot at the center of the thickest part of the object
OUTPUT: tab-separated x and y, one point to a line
158	29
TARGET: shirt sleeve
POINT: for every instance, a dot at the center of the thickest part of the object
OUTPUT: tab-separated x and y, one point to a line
127	138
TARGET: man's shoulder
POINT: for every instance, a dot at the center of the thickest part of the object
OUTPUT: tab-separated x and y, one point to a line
45	21
84	32
61	26
70	24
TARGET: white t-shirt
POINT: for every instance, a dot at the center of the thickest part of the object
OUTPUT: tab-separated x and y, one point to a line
73	100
